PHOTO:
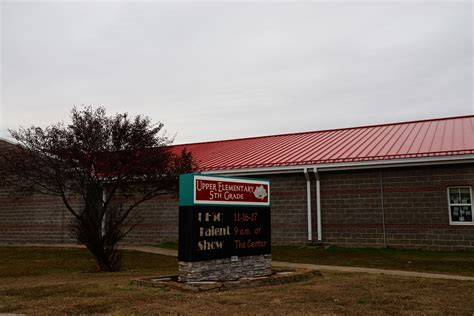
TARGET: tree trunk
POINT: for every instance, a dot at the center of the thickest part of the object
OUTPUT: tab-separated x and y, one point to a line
107	260
104	264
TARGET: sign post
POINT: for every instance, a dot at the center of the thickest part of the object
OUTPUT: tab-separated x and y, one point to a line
224	228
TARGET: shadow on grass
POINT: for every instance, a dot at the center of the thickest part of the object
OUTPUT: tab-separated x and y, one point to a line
34	261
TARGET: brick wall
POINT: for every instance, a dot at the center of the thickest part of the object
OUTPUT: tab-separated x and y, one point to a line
351	208
44	219
289	210
414	202
159	217
33	219
158	220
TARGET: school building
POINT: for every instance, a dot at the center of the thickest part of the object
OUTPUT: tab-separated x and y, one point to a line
405	185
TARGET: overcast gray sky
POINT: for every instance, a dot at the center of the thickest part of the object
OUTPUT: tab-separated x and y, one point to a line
211	70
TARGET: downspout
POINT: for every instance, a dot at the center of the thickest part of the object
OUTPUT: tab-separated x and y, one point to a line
62	224
308	203
382	206
104	198
318	205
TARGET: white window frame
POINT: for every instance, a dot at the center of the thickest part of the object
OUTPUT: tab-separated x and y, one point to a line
460	204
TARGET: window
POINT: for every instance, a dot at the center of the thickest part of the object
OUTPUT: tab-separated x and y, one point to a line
460	205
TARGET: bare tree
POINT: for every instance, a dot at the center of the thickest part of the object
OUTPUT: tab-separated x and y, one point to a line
110	164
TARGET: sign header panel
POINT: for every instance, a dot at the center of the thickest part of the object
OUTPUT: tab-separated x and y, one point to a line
233	191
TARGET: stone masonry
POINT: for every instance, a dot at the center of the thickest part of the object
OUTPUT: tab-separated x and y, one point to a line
225	269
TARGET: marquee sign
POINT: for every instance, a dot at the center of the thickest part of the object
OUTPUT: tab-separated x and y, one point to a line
222	217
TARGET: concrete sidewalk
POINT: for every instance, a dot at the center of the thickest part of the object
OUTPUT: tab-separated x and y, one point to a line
372	271
174	253
155	250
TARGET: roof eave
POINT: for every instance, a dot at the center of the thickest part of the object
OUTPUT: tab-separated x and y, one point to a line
387	163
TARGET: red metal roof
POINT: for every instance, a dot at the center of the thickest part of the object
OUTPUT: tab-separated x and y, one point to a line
427	138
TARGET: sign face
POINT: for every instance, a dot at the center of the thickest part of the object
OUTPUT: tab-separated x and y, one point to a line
222	191
221	217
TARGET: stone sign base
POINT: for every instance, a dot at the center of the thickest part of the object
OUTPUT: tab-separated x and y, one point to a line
225	269
281	276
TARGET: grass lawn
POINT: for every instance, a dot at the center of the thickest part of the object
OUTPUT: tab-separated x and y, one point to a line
64	281
447	262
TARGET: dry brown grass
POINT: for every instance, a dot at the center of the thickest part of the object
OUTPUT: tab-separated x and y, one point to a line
73	291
